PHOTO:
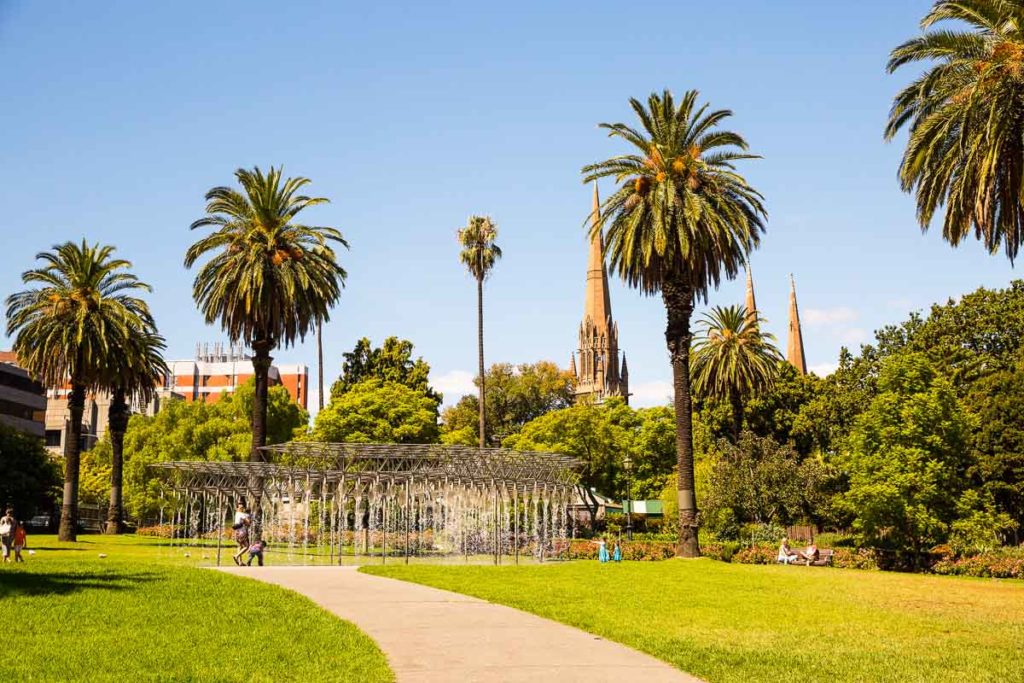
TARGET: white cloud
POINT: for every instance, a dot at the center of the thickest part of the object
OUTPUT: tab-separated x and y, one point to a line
829	317
454	384
823	369
646	394
852	336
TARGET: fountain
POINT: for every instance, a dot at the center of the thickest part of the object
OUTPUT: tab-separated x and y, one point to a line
337	502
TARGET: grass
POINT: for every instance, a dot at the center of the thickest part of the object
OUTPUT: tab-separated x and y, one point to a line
144	613
726	622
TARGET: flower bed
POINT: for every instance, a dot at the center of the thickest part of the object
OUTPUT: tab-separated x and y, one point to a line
631	550
1007	563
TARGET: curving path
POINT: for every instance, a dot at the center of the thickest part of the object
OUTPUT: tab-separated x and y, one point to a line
434	635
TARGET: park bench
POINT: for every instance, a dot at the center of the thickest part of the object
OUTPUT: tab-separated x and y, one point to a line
824	559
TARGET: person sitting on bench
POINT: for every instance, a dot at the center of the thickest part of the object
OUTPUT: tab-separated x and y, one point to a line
786	554
811	554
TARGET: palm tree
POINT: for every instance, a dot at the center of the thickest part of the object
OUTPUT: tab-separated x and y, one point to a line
966	146
732	359
270	279
70	330
479	254
134	376
681	218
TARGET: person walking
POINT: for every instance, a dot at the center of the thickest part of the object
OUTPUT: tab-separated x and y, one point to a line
7	527
241	526
20	541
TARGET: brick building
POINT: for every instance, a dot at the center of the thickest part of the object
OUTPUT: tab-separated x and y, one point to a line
217	369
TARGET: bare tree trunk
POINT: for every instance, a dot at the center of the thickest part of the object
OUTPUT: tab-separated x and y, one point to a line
678	298
320	362
68	530
117	420
480	349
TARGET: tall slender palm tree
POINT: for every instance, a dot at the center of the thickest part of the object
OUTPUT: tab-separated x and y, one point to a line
732	359
680	220
479	254
320	363
270	279
966	146
135	374
70	329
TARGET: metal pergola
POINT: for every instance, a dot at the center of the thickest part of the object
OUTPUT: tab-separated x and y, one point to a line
323	464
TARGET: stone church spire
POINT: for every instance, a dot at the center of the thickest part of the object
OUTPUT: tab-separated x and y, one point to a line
598	304
795	345
750	304
598	373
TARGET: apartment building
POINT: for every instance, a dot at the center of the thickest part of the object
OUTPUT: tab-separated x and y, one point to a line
22	399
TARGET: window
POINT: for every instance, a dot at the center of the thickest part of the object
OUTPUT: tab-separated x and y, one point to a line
53	438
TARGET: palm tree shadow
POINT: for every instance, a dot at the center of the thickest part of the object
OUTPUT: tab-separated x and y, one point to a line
31	584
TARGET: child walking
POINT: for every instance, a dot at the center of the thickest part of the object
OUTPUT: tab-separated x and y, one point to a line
256	552
19	541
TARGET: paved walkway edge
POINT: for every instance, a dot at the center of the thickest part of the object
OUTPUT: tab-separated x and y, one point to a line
434	635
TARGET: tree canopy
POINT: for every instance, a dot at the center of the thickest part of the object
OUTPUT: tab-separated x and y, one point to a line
379	411
515	395
391	362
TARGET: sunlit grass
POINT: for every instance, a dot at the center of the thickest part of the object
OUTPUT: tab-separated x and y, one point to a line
142	613
726	622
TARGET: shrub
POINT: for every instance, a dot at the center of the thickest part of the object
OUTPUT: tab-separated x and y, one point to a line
157	530
1005	563
631	550
854	558
756	554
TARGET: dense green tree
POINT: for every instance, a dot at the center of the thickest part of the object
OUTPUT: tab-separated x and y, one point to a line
479	254
376	411
680	219
70	329
269	279
183	430
516	394
761	481
391	362
907	458
134	375
997	443
29	476
732	359
603	436
965	153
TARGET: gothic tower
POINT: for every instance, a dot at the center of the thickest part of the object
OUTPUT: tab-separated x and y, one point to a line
751	303
599	373
795	345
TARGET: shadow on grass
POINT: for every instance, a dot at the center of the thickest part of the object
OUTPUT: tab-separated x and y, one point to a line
33	584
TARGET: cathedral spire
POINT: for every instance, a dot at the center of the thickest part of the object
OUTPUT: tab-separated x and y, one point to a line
795	346
750	304
598	305
597	372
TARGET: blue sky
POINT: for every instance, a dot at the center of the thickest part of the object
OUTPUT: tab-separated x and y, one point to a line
117	116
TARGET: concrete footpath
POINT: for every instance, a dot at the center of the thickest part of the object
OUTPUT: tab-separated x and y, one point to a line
434	635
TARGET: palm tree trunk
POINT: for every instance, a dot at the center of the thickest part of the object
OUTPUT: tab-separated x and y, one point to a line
678	298
68	530
320	362
480	349
117	419
261	369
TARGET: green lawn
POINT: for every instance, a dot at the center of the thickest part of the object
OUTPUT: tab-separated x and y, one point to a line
143	614
726	622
